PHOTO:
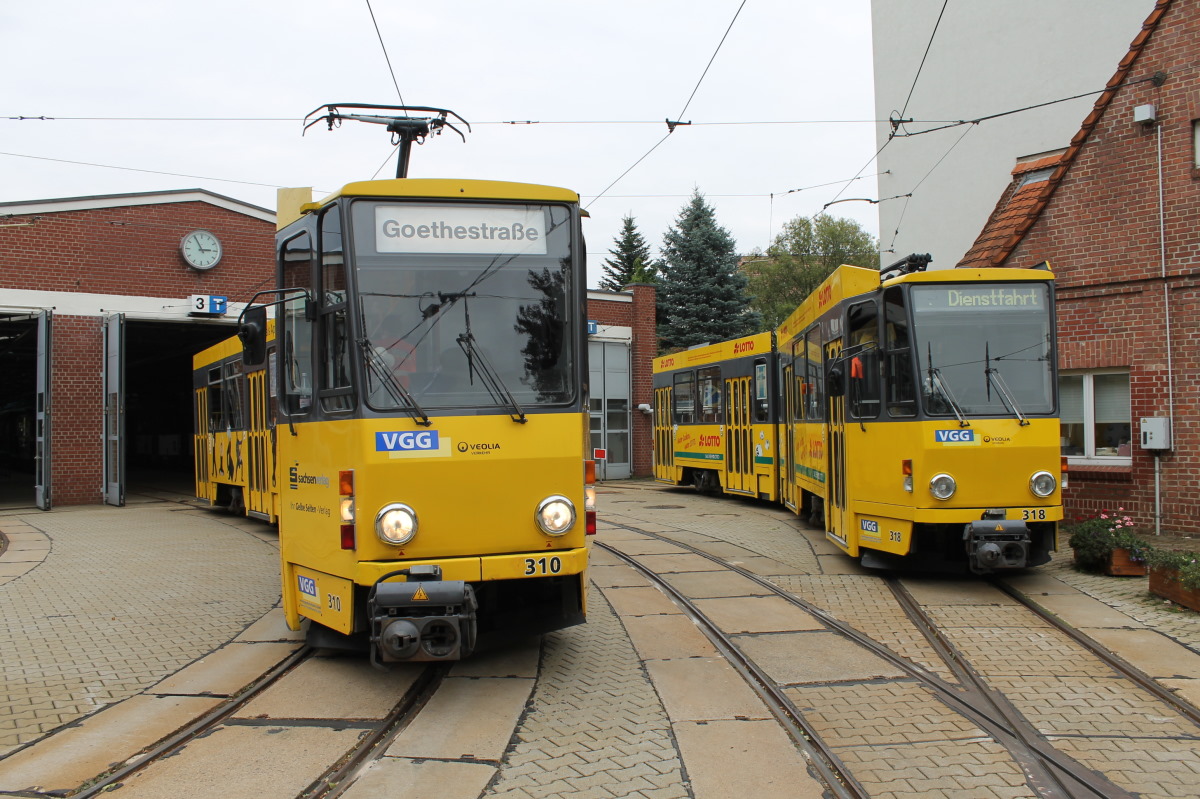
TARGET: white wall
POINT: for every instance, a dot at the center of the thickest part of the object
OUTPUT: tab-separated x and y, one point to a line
988	56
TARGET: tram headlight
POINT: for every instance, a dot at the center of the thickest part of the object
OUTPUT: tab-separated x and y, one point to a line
396	524
942	486
555	515
1042	484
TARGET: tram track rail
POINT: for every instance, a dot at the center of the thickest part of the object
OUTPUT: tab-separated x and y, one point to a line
1049	772
832	771
377	733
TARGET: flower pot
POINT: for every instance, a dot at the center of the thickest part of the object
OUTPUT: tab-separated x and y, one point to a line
1165	583
1120	564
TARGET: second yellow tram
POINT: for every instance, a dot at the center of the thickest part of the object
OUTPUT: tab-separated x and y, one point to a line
913	414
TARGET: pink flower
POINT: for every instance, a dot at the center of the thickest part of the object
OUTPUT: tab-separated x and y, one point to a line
1103	515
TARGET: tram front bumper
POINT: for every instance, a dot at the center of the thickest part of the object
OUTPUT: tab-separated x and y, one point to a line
994	544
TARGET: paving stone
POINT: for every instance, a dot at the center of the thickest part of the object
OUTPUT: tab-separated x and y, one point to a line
125	597
591	680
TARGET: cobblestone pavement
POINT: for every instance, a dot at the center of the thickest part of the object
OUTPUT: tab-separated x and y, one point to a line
100	603
595	726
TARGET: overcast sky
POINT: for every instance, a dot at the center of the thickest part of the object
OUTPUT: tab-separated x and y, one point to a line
786	103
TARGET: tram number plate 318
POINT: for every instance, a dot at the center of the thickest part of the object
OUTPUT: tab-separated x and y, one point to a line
539	566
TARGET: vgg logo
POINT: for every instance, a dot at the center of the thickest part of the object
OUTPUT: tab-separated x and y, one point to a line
954	436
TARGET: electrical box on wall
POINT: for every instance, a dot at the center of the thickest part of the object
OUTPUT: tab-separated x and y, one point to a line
1156	432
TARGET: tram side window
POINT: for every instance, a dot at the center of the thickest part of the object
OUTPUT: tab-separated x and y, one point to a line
216	421
762	402
295	262
336	391
232	396
862	391
708	384
901	387
684	398
814	375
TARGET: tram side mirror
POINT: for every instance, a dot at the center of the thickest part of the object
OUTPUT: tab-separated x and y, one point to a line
252	330
836	383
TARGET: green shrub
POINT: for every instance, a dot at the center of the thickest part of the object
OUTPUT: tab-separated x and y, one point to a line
1185	564
1094	539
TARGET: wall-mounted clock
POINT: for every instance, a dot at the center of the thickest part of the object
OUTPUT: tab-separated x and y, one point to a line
201	249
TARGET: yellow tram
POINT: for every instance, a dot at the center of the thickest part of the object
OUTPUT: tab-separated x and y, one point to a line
915	416
409	406
714	418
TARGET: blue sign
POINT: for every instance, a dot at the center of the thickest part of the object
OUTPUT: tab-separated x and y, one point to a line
954	436
593	327
209	304
406	441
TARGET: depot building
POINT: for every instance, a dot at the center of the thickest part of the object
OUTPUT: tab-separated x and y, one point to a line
104	300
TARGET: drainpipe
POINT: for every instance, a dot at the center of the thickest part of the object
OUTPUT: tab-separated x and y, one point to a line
1162	249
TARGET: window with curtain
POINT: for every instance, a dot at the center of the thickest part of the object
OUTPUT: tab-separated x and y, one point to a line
1095	416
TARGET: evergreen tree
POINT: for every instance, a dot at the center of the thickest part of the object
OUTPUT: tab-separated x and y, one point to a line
802	255
630	262
702	295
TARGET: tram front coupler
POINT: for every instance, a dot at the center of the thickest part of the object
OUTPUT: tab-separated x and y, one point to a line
424	618
995	543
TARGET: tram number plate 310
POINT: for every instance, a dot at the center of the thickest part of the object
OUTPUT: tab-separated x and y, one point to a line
539	566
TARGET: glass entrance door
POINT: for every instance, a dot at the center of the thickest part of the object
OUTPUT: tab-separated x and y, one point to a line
610	407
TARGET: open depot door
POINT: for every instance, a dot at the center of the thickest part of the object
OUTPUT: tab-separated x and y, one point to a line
114	409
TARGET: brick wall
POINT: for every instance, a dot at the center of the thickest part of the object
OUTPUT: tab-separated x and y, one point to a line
76	411
640	316
134	250
1100	233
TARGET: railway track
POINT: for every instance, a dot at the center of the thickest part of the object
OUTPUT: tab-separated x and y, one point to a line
962	688
374	734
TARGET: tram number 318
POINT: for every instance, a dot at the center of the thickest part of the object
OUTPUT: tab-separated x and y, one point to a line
542	566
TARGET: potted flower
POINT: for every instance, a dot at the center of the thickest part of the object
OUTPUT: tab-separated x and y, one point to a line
1176	576
1107	543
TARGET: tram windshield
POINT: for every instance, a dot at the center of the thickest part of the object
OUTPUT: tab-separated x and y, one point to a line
465	305
984	349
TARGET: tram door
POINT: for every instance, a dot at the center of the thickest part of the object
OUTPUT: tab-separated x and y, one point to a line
42	415
664	436
114	410
787	485
835	501
739	437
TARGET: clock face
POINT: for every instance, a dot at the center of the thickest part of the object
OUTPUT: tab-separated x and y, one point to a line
201	249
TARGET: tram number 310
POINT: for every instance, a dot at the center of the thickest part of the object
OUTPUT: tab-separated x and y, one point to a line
542	566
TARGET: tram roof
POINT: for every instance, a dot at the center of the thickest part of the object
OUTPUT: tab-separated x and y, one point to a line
437	188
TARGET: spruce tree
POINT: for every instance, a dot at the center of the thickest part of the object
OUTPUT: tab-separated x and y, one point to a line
630	262
702	295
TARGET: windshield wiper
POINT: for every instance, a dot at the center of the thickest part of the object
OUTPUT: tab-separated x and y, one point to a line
477	362
993	377
938	385
397	392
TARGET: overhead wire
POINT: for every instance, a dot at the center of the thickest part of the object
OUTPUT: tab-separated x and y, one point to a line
386	57
671	126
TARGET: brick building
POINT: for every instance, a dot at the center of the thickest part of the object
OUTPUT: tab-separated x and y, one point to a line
97	300
95	296
623	341
1117	216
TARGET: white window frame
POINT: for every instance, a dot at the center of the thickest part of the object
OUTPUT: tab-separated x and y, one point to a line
1089	419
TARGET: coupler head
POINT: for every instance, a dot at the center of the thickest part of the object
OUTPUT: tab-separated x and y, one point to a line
993	544
424	618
